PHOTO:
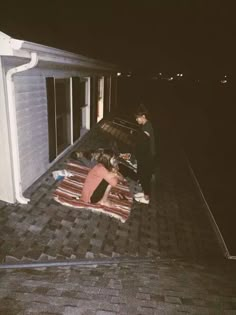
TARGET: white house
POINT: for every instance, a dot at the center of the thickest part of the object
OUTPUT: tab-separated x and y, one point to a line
48	99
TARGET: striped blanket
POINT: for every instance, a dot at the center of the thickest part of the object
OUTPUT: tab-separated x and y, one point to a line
69	191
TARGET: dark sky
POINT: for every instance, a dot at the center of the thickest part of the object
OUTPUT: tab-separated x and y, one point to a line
194	36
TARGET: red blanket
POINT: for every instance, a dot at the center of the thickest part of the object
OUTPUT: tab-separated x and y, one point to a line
69	191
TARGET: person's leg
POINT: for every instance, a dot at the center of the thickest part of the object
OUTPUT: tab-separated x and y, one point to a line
104	201
146	183
145	173
101	193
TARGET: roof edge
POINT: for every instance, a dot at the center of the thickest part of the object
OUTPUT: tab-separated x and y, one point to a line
20	48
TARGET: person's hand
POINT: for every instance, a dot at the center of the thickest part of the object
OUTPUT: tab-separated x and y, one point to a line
125	156
120	176
115	170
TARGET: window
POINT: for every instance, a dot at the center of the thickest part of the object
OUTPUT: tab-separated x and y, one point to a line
65	98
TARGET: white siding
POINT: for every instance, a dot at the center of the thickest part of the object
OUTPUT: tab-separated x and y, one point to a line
31	109
32	121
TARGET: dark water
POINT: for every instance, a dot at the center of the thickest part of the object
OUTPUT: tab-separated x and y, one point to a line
202	116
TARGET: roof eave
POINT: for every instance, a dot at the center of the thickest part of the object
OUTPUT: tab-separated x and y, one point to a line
19	48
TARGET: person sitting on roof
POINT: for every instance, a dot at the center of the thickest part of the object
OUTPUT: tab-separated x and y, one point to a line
100	179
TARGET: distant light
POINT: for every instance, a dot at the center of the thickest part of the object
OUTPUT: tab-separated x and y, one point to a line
129	75
223	81
118	74
225	76
170	79
181	74
159	73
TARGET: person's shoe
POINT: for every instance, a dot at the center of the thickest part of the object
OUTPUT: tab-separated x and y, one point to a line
139	195
142	200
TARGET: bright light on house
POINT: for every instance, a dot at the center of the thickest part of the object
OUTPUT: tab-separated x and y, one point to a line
118	74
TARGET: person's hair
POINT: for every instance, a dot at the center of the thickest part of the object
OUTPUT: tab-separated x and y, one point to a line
107	159
141	110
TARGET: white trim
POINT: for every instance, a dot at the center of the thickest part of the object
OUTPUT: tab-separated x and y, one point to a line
7	192
88	99
109	94
100	113
55	108
88	120
71	113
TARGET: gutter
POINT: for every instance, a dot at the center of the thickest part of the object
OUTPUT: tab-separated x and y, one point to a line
52	54
13	125
21	48
80	263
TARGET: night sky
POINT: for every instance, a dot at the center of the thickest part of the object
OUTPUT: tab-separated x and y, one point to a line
167	36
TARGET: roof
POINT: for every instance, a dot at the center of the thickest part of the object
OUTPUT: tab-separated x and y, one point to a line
165	259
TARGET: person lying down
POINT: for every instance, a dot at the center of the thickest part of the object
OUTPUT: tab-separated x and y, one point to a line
100	179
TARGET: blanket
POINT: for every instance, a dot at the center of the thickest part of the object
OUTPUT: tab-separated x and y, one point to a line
69	191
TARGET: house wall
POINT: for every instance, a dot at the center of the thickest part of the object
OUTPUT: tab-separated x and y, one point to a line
32	119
